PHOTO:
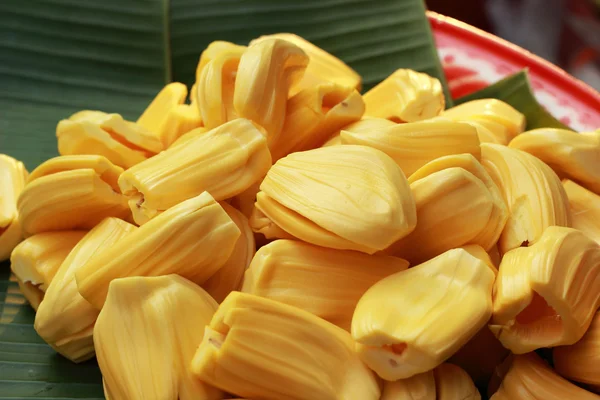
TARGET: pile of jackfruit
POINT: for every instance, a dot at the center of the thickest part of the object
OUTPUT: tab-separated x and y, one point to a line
282	236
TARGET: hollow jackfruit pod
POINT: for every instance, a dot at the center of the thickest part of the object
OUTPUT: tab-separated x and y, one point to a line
341	197
182	172
65	320
265	74
259	348
532	192
231	275
148	357
365	124
413	145
325	282
406	96
13	177
193	239
322	67
547	294
212	51
585	209
71	192
36	260
530	378
412	321
417	387
314	114
122	142
570	154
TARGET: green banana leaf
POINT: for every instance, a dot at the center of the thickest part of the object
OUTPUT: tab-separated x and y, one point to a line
516	91
60	56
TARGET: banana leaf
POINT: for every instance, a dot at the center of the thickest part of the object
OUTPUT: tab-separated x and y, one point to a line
60	56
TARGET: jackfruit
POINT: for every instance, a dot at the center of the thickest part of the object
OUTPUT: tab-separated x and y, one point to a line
266	72
413	145
69	193
224	161
342	197
35	261
547	294
406	96
13	177
412	321
325	282
65	320
193	239
187	137
417	387
530	378
532	192
322	67
453	383
585	209
365	124
314	114
123	143
244	202
146	335
231	275
488	131
212	51
262	349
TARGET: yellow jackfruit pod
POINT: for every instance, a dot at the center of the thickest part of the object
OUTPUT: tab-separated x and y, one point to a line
365	124
570	154
65	320
341	197
581	361
530	378
35	261
123	143
224	161
532	192
187	137
212	51
453	383
585	209
335	140
413	145
231	275
547	294
180	120
412	321
262	349
71	192
265	74
244	202
417	387
216	87
406	96
13	177
193	239
322	67
314	114
148	357
325	282
489	131
511	122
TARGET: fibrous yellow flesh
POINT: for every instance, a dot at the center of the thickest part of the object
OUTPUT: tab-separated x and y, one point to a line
13	177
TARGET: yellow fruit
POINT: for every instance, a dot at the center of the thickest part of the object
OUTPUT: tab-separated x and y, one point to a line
261	349
36	260
314	114
532	192
417	387
187	137
146	335
212	51
325	282
570	154
585	209
412	321
453	383
122	142
192	239
406	96
322	67
547	294
488	131
13	177
65	320
499	117
365	124
231	275
244	201
71	192
335	140
530	378
413	145
224	161
581	361
266	72
342	197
